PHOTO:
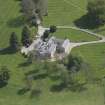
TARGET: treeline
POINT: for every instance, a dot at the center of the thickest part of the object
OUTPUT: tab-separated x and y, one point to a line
61	73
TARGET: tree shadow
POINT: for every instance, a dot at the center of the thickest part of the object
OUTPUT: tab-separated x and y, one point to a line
16	22
74	87
40	76
7	50
58	87
87	22
35	93
25	64
77	87
22	91
36	74
3	84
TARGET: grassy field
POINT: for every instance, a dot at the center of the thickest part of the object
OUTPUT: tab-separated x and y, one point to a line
60	13
8	20
74	36
94	55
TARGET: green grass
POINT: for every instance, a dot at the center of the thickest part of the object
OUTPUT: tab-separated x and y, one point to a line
60	13
75	36
10	12
92	96
94	55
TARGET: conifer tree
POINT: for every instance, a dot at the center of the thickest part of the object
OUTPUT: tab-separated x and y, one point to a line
14	43
25	36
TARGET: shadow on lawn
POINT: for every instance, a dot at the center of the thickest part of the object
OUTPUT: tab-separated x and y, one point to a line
3	84
87	22
33	93
40	76
57	88
36	75
16	22
75	87
22	91
7	50
25	64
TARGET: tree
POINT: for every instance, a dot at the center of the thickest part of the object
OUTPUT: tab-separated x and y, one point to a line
73	63
29	7
14	43
60	74
42	5
45	35
26	36
53	29
4	75
96	9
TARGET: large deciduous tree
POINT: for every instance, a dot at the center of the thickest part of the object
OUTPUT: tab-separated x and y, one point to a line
29	7
96	9
53	29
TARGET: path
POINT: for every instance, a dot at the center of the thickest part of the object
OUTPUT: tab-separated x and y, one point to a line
72	45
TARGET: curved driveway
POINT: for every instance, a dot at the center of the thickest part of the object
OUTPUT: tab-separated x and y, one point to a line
72	45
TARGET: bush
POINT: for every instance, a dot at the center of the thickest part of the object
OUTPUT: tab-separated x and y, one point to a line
53	29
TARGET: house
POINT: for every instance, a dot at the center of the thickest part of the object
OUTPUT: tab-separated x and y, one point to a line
50	47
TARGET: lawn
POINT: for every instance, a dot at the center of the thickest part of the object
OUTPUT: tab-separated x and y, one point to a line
74	36
94	55
8	20
60	13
